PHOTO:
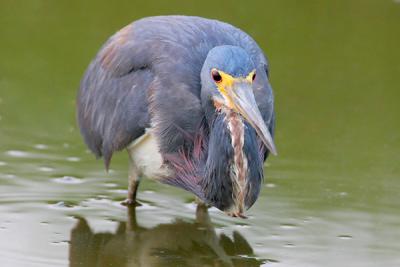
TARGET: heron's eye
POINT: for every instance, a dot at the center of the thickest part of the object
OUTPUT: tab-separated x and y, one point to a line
254	76
216	76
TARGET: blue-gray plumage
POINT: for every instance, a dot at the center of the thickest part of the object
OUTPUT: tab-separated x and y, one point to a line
194	90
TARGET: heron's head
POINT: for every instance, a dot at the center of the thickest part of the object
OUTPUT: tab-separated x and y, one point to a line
227	79
233	171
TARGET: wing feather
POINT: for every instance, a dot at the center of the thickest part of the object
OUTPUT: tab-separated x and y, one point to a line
112	101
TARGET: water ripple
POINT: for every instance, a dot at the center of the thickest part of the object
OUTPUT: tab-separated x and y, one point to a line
17	154
68	180
41	146
45	169
73	159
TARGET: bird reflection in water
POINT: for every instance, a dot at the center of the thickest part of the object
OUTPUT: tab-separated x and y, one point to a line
175	244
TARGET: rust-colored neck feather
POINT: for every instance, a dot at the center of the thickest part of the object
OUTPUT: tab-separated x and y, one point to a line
238	169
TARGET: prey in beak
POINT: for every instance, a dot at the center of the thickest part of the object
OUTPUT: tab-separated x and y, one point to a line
238	95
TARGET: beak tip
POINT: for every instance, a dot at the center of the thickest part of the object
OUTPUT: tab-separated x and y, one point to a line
271	147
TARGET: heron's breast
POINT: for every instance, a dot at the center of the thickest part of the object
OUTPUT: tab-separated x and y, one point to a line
144	151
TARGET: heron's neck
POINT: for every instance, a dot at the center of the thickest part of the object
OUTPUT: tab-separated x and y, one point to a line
225	166
238	165
226	179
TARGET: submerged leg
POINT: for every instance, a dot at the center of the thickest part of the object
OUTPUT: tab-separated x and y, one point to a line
202	215
134	180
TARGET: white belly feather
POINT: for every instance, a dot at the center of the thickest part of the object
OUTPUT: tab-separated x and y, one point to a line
145	153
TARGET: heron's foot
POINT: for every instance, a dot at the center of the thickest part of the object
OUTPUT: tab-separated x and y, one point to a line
131	203
236	214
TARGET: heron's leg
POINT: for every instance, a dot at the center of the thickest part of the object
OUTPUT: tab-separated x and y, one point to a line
198	201
133	182
202	215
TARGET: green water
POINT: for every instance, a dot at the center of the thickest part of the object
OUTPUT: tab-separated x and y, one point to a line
331	197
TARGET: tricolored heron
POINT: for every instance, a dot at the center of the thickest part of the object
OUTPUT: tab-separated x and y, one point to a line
190	100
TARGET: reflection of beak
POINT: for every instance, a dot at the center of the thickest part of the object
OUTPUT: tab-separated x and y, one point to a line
244	103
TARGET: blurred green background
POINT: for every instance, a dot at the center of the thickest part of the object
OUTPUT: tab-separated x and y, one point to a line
330	197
